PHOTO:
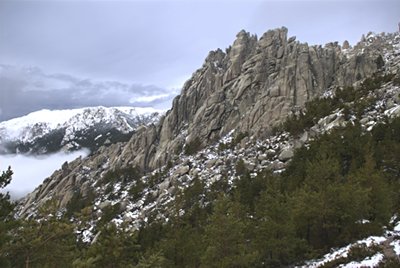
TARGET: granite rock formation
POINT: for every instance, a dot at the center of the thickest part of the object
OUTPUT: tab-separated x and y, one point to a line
251	87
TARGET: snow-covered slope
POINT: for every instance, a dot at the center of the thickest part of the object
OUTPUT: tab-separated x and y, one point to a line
50	130
371	251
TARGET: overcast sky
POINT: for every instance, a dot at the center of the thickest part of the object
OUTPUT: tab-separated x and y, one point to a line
61	54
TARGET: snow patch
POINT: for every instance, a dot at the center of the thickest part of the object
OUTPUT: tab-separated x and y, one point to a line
42	122
344	251
367	262
396	247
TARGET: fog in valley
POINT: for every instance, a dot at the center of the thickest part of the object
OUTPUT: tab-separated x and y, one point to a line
30	171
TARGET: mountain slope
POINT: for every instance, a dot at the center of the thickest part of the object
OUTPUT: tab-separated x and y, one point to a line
294	148
200	112
252	87
48	131
237	170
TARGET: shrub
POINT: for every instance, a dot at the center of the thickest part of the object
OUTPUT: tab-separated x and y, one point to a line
362	105
136	190
193	147
347	94
379	62
156	178
109	213
360	252
120	174
319	108
78	202
389	263
239	137
314	110
240	168
374	82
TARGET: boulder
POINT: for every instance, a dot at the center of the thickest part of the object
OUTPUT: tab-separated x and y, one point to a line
262	157
250	166
211	163
181	171
104	204
286	154
277	165
164	185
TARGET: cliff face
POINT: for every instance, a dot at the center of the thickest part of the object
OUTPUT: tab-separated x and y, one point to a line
252	86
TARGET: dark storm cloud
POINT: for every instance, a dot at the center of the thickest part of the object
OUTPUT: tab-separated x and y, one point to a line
24	90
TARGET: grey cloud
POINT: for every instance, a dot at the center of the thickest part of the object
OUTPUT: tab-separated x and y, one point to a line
24	90
150	42
156	42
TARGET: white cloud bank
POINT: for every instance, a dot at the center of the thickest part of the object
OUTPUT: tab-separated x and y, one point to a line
30	172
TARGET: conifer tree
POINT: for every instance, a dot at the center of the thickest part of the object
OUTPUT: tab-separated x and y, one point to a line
114	248
6	222
48	242
226	237
274	235
373	181
155	260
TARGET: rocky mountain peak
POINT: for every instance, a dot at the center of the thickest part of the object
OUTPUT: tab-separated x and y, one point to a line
277	37
252	87
238	53
215	56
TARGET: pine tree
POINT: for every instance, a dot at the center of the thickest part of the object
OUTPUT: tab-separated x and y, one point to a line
182	245
328	206
274	234
379	193
114	248
226	237
155	260
6	222
5	204
48	242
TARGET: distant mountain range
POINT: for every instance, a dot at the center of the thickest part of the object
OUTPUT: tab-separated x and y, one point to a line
47	131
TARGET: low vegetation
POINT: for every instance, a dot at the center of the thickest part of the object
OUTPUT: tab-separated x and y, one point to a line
353	101
192	147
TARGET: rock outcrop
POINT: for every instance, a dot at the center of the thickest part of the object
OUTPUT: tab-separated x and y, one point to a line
251	87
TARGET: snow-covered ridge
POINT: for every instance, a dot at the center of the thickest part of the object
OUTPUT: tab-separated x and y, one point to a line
28	128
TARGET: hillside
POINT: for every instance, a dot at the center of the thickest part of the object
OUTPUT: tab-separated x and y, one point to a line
274	153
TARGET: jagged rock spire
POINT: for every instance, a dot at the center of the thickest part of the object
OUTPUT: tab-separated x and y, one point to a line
255	85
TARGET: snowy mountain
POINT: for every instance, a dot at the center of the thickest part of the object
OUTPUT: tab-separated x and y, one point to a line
48	131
